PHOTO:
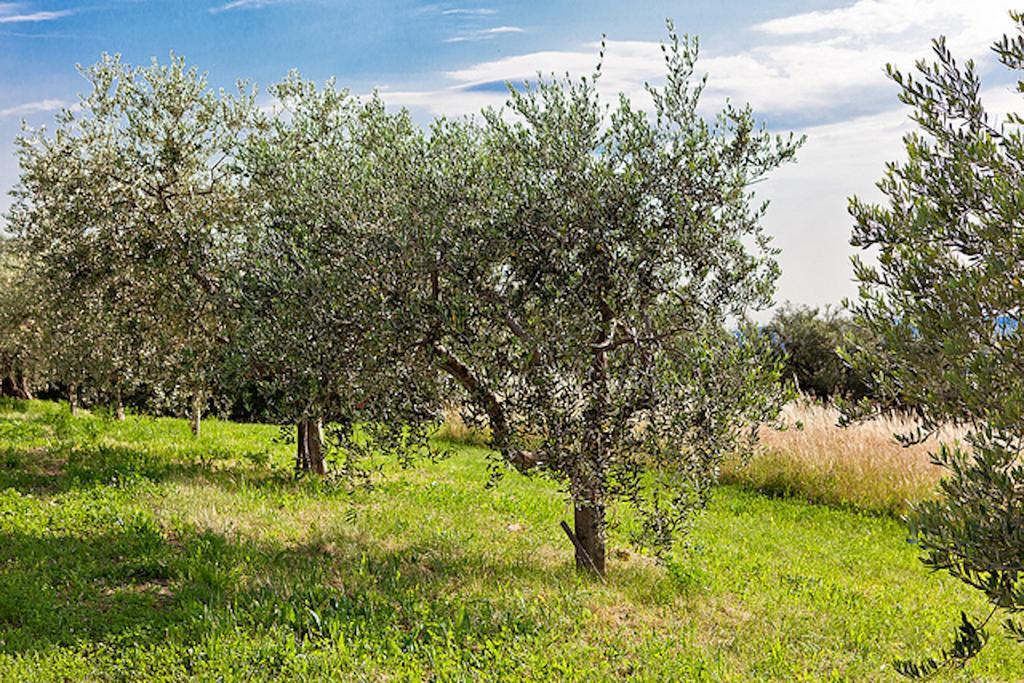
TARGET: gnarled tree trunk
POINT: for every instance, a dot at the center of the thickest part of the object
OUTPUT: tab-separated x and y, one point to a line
309	453
15	384
24	387
588	524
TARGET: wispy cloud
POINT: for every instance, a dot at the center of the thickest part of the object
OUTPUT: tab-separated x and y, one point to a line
17	13
33	108
466	24
447	10
484	34
244	4
470	12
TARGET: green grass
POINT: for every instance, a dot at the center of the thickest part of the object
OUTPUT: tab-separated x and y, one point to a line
130	551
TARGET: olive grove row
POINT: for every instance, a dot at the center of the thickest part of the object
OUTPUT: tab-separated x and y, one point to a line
564	268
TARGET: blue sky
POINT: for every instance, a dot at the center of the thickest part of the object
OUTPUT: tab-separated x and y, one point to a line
813	67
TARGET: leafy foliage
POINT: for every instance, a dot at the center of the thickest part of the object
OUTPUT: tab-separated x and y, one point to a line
945	301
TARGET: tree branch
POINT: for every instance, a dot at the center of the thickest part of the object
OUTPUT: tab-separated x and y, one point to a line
500	433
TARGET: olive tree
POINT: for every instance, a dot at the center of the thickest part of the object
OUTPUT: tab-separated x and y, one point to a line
314	335
127	211
20	363
945	300
63	253
811	339
574	269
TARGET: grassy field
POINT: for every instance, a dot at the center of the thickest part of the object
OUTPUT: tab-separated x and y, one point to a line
130	551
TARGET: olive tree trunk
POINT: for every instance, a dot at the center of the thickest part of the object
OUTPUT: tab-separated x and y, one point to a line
24	387
588	525
119	406
588	475
16	384
73	398
309	452
196	416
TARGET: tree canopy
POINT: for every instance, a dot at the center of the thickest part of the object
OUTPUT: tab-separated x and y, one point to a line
125	214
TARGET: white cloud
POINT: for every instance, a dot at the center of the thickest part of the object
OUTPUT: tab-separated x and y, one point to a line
484	34
808	217
453	101
32	108
828	59
244	4
469	12
872	19
626	62
12	13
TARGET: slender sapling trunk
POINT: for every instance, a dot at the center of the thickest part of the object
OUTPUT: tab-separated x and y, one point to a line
196	417
119	406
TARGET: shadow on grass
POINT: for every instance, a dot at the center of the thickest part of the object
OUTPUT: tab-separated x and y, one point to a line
76	573
45	451
54	469
147	587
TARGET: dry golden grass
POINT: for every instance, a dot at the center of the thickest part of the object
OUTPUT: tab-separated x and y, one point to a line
455	429
862	465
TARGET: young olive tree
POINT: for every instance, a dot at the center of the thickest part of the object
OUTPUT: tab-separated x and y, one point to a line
57	239
128	211
945	300
316	336
21	365
574	268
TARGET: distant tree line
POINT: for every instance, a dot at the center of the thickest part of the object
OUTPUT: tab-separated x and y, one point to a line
811	341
